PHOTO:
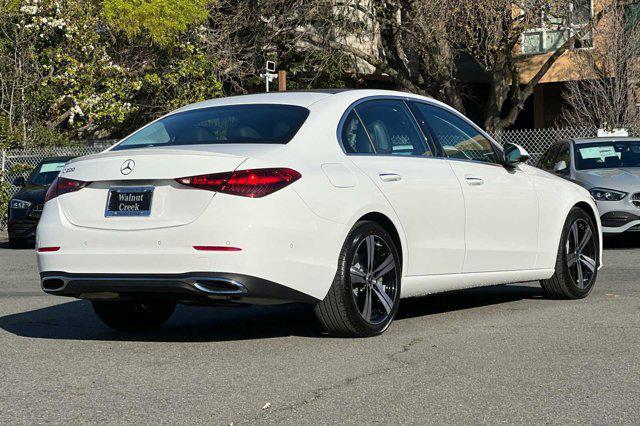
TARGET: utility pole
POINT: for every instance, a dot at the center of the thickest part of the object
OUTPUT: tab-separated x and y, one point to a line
282	81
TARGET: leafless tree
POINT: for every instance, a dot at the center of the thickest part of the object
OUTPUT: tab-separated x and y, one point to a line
605	95
18	73
414	43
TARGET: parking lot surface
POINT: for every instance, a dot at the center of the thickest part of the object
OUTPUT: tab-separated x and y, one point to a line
499	354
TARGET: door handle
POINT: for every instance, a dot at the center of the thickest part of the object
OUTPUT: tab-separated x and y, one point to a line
474	180
390	177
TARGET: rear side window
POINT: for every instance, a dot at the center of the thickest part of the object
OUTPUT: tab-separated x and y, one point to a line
259	123
354	136
458	138
391	128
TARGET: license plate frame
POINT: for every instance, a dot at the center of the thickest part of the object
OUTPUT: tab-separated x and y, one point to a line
130	190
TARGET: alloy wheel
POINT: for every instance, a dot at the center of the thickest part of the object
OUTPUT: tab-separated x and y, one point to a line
581	253
374	281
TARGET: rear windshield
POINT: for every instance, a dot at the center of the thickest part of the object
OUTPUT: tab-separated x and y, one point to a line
46	173
607	155
264	123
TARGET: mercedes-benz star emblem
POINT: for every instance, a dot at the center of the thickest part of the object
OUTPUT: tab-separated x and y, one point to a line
127	167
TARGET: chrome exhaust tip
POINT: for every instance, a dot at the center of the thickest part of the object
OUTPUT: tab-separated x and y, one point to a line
220	287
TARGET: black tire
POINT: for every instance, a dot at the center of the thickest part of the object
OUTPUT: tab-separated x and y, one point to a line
354	284
133	315
18	243
567	282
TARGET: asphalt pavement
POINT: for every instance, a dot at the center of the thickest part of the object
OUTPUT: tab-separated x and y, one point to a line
498	354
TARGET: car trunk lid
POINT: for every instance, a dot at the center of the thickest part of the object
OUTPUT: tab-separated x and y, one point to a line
153	169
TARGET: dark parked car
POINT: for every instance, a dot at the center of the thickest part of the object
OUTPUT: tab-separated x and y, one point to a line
26	206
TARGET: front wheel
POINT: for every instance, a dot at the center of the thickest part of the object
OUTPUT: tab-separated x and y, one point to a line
577	260
133	315
365	293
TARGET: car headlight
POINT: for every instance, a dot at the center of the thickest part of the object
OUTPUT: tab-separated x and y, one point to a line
603	194
20	205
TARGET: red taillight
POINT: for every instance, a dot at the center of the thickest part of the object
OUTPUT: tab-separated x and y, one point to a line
48	249
254	183
216	248
62	186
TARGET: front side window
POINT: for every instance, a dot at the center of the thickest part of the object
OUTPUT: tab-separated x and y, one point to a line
548	160
458	138
258	123
46	173
392	129
563	155
607	155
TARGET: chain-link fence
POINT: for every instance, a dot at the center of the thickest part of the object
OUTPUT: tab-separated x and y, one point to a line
15	163
536	141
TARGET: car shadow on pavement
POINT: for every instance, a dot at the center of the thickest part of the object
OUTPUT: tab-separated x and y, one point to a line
76	321
4	244
622	242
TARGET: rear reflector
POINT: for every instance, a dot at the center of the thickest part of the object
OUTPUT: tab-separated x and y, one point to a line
61	186
254	183
216	248
46	249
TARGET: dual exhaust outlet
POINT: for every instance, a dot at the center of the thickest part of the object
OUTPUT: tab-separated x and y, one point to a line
207	286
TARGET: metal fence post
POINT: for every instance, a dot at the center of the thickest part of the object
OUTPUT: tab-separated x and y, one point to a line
4	162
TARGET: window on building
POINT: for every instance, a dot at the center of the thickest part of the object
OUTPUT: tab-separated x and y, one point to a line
632	16
553	31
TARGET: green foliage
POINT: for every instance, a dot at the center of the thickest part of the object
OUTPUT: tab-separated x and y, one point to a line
5	197
162	20
99	68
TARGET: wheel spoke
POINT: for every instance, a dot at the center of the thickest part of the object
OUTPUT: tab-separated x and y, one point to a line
574	233
580	276
385	267
588	262
571	259
586	237
366	312
384	298
357	276
370	252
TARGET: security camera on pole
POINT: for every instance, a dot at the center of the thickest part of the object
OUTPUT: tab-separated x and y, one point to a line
269	74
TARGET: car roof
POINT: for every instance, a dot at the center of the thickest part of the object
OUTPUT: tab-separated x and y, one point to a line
306	98
302	98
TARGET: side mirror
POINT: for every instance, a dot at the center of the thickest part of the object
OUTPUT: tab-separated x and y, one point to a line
560	167
514	154
20	181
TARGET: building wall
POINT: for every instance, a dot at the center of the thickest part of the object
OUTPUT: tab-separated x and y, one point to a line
566	68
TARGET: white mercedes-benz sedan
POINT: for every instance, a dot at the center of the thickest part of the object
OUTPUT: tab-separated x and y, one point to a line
348	200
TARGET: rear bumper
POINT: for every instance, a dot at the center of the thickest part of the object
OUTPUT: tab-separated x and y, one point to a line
203	287
280	240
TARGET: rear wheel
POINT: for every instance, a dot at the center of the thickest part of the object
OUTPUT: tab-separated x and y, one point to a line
365	293
133	315
576	262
